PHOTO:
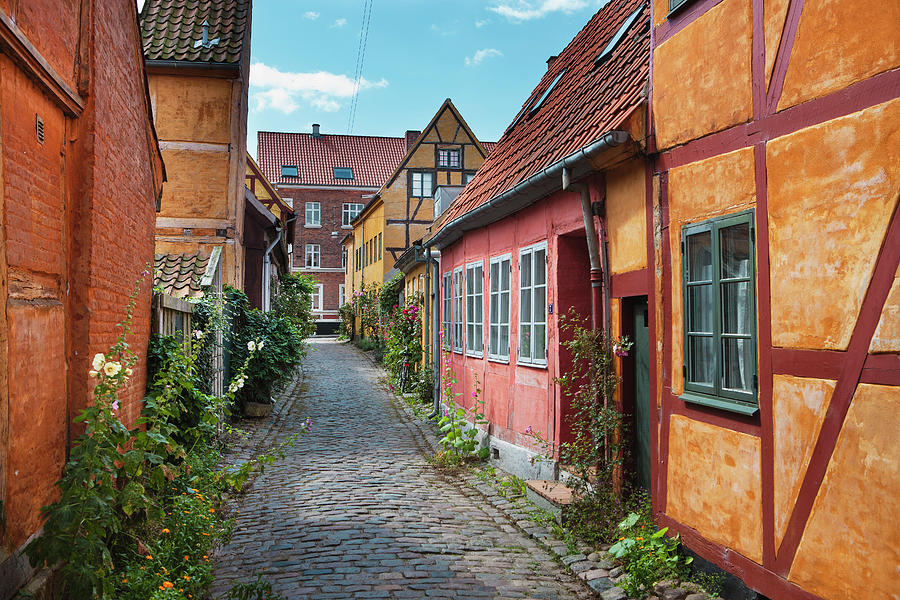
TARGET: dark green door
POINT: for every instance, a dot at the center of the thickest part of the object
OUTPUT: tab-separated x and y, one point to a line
641	351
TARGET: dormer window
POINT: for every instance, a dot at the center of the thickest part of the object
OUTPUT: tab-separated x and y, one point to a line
616	39
289	171
343	172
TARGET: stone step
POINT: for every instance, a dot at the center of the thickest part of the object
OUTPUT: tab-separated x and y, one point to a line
549	495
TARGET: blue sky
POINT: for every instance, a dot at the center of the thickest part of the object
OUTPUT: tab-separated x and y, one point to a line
487	56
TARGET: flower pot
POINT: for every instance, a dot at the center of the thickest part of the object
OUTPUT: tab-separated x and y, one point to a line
257	409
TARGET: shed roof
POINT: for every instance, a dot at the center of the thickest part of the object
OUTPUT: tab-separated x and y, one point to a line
372	158
183	275
588	101
171	29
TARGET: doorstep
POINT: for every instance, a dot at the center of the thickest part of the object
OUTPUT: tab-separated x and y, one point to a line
551	496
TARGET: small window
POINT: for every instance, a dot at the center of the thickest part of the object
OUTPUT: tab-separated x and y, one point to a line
498	329
543	98
289	171
318	298
349	212
313	214
468	177
343	172
379	246
446	317
457	309
341	298
422	185
313	256
533	304
616	39
475	309
676	4
448	158
719	317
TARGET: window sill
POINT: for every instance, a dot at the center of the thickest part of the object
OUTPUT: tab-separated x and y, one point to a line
720	403
346	226
312	226
457	351
474	354
499	359
542	366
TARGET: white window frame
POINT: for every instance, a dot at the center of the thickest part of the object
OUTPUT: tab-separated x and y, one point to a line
475	309
348	212
418	187
313	251
528	322
312	213
318	299
447	308
458	324
341	298
500	353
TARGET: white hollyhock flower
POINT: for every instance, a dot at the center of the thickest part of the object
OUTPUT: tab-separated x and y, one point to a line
260	344
128	372
98	361
251	345
93	373
112	368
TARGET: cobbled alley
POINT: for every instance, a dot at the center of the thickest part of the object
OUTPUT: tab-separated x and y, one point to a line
355	511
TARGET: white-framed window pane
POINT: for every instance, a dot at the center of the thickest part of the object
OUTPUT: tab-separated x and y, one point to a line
313	213
498	334
446	303
533	305
475	308
458	310
317	297
349	212
312	255
340	294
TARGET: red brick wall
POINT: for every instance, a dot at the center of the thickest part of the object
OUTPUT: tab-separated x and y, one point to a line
78	214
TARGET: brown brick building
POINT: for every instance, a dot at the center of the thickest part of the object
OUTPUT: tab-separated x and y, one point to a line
80	175
328	179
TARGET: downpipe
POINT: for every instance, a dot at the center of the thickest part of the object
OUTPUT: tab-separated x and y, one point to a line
435	333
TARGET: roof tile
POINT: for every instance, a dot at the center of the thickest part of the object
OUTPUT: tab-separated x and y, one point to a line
179	275
170	28
588	101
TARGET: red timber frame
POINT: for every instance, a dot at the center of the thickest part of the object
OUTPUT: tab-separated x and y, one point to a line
849	368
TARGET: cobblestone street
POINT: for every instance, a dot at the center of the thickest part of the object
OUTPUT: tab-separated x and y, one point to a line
354	511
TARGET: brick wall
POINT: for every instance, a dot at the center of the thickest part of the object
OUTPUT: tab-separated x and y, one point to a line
78	213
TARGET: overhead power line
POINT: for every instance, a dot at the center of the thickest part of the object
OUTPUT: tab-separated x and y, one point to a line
360	60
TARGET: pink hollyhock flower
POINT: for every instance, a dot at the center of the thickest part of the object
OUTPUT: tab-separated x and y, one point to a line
115	406
528	430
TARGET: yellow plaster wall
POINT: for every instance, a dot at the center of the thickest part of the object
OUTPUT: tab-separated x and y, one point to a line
626	200
851	545
832	190
798	409
711	468
702	190
192	109
839	43
365	230
887	334
774	14
701	76
196	186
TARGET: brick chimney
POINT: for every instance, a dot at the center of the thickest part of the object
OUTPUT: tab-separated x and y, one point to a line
315	130
551	60
411	137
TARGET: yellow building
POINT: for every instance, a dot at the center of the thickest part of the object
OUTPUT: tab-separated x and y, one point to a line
445	153
197	56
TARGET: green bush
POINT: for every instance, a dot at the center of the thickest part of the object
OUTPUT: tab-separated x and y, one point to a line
647	555
292	298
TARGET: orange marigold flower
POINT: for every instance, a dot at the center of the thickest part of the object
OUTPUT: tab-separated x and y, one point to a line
187	577
148	557
204	533
124	581
205	556
212	510
186	557
166	530
168	584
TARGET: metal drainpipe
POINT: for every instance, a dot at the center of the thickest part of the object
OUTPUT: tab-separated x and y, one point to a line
597	264
266	291
435	337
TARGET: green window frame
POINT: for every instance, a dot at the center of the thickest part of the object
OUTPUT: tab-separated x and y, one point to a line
674	5
719	313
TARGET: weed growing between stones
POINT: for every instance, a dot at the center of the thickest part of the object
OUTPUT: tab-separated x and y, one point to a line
647	555
458	424
258	589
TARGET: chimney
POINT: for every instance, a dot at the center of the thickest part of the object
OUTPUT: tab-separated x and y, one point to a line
551	60
411	137
315	132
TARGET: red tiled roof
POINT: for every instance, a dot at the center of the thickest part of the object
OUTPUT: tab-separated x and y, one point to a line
179	275
587	102
372	159
170	29
488	146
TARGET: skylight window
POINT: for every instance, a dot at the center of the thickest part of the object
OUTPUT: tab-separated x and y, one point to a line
289	171
616	39
343	172
537	105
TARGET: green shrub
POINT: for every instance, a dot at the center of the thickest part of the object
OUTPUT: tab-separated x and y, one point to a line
292	298
647	555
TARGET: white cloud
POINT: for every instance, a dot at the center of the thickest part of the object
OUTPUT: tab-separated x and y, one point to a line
339	22
481	23
286	92
311	15
525	10
480	55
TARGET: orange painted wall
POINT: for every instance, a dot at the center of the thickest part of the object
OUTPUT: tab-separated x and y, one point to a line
852	536
626	215
701	77
832	190
887	333
714	484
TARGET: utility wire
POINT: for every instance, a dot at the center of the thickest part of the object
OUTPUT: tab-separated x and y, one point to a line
360	60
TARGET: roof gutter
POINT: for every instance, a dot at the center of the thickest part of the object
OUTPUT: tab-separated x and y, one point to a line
527	192
154	63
